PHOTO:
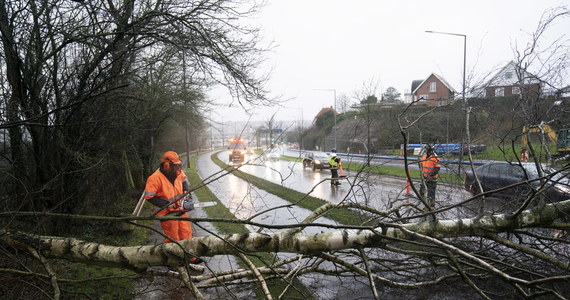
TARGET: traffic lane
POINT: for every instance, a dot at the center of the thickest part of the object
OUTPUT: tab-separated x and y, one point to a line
377	191
218	263
292	175
392	186
245	200
396	162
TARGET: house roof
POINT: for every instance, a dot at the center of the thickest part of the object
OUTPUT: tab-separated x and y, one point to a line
502	78
439	78
322	111
416	83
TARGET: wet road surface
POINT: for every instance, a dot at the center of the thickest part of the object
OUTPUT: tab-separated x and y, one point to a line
245	200
377	191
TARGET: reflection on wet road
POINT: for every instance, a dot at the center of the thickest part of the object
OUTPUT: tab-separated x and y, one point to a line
245	200
377	191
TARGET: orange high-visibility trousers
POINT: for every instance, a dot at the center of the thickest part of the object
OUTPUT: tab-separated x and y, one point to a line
177	230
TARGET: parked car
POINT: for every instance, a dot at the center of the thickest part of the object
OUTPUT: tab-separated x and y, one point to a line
496	175
316	160
272	154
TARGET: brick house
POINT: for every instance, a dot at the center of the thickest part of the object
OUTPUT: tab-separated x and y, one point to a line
433	91
323	111
511	81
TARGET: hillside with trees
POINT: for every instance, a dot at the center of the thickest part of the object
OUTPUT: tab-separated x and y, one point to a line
377	126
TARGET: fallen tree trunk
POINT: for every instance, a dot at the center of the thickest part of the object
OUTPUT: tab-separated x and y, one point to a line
140	257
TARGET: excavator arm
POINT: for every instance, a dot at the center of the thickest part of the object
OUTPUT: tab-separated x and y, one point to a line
541	128
561	138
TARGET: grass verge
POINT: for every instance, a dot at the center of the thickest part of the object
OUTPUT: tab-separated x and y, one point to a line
96	282
399	172
389	171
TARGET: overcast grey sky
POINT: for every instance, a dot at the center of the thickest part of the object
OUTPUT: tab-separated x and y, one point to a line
340	45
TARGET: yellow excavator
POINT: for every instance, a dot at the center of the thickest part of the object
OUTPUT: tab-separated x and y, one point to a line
560	138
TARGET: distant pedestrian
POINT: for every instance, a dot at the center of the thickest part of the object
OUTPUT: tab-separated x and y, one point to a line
429	166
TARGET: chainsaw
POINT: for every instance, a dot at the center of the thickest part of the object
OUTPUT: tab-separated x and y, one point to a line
189	205
198	204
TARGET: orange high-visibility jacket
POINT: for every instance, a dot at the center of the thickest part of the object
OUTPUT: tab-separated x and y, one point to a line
428	166
158	185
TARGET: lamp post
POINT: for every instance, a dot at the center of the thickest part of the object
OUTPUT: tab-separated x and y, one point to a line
464	101
464	105
334	128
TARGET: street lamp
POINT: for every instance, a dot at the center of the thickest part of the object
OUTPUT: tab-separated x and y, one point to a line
464	102
464	105
334	128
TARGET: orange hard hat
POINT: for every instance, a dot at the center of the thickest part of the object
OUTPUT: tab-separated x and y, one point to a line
171	156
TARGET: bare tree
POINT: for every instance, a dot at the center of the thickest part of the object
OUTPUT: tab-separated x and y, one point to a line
89	84
368	100
391	96
344	103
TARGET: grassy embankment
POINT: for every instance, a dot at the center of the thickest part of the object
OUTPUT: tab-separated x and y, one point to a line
82	281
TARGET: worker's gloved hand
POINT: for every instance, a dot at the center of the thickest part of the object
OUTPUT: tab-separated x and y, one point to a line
188	205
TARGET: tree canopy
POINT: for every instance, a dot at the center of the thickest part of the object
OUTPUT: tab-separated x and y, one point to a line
370	99
93	90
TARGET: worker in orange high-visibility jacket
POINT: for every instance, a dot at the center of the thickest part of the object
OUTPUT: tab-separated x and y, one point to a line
429	165
166	189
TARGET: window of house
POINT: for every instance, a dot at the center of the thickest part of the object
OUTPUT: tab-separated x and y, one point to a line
424	97
508	75
439	102
516	90
500	92
432	87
